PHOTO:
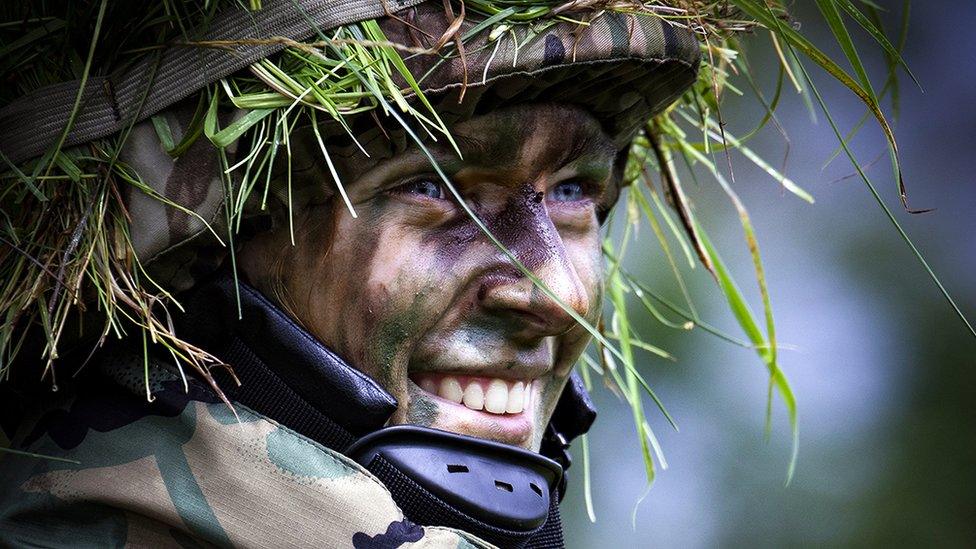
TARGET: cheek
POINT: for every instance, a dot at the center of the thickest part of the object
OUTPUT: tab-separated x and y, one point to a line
392	299
587	260
322	288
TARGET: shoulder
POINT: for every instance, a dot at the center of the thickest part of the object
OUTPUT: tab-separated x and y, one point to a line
119	469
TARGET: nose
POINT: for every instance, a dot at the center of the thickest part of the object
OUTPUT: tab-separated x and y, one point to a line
515	297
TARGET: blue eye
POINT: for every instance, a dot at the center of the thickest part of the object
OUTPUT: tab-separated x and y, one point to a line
567	191
424	187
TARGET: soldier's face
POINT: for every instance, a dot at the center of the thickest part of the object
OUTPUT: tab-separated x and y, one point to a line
414	294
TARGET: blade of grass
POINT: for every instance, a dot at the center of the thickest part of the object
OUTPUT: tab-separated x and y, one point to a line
11	451
743	314
794	40
659	233
646	291
881	203
879	37
622	329
831	14
750	236
587	483
713	128
891	82
99	19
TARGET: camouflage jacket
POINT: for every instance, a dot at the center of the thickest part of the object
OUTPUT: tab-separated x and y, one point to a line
184	470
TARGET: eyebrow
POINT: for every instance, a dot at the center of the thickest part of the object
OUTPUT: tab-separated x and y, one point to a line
593	136
469	143
587	142
588	145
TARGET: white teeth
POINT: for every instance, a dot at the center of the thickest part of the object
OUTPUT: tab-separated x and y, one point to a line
451	390
428	385
496	399
474	396
515	398
500	397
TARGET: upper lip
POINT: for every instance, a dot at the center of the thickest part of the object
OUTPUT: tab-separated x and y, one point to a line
494	374
486	349
524	366
532	323
514	373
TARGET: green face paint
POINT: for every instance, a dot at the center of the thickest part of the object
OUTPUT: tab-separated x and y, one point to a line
422	411
412	293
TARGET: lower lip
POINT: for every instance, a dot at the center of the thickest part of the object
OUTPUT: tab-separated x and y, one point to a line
514	429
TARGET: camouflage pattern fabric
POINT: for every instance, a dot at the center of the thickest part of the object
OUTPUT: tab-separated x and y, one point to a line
183	471
162	234
622	68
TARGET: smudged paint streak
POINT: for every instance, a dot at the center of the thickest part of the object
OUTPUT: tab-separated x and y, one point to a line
423	411
391	336
524	228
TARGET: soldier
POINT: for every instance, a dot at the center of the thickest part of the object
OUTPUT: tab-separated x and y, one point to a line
400	311
353	313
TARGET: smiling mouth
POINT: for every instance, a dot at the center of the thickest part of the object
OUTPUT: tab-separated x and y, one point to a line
498	409
494	396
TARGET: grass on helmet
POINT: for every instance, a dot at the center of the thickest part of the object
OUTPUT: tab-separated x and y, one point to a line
66	249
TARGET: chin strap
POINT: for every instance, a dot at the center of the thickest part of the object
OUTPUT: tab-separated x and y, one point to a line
573	417
500	493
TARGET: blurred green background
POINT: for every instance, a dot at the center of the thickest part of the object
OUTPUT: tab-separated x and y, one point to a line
884	373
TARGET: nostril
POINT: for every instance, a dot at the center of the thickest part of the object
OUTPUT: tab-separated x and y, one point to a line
538	197
496	282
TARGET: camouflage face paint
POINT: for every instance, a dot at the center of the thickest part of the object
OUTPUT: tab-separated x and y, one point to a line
412	293
423	411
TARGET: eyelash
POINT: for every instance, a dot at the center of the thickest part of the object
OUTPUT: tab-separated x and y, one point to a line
410	186
586	191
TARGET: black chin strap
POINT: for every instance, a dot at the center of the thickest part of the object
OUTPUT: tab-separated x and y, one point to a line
500	493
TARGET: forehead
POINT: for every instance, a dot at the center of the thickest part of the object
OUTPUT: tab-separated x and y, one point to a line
524	141
543	136
555	134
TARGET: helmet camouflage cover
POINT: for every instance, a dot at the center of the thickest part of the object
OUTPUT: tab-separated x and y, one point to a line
620	68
